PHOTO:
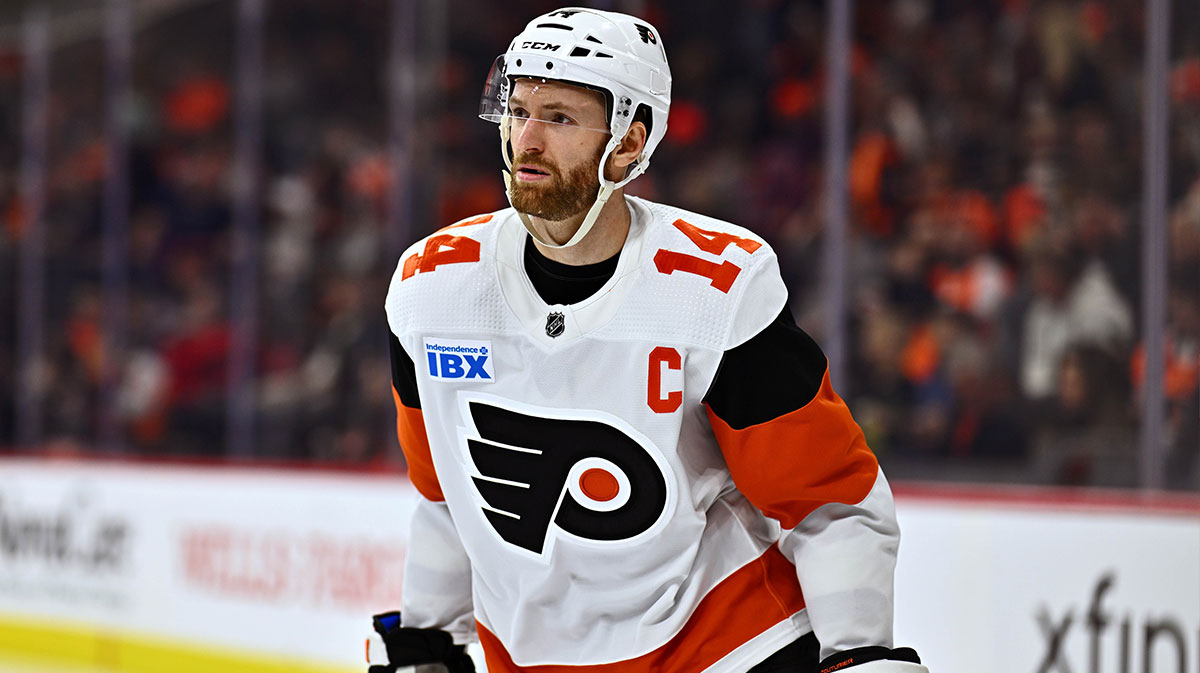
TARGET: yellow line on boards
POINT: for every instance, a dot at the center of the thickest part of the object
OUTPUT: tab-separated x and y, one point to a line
81	645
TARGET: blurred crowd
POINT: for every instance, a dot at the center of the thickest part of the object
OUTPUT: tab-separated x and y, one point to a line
995	185
996	181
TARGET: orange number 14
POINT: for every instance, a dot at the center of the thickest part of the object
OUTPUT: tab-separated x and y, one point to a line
713	242
443	249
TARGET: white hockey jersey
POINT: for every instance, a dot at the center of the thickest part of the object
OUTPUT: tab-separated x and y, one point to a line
585	508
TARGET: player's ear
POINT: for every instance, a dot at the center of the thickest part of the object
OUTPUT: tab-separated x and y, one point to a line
631	146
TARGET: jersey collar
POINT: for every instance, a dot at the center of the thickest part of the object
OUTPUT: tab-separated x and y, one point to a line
582	317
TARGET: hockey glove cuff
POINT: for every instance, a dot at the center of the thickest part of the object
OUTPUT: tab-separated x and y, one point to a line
392	647
874	660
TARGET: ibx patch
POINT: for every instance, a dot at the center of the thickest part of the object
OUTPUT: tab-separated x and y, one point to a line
459	360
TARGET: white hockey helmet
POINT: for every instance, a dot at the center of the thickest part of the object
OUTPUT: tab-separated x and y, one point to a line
618	55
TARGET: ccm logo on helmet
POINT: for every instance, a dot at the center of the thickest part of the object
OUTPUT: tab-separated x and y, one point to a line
545	46
539	478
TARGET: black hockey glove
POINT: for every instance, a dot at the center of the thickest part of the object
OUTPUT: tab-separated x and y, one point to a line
873	660
412	647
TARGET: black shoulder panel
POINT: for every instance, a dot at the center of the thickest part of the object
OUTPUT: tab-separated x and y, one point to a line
404	373
776	372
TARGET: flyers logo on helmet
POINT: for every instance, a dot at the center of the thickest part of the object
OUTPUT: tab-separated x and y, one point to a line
540	478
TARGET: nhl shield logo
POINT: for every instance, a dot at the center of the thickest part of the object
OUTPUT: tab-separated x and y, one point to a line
556	324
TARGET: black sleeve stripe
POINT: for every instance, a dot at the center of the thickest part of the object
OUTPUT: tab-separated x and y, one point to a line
404	374
776	372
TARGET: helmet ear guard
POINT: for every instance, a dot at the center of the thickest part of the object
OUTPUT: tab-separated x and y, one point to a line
616	54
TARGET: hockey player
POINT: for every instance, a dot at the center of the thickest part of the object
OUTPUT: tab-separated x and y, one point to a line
631	458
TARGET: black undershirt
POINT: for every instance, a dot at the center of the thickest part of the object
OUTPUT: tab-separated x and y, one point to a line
777	371
558	283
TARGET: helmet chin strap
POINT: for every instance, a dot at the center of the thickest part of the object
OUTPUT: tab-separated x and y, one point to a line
602	195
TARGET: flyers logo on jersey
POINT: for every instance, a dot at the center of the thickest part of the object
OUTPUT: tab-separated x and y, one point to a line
541	478
458	360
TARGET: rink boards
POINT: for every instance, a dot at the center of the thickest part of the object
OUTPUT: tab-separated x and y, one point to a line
148	568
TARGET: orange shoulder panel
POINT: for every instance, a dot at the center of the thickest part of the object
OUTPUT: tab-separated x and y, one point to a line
410	429
793	464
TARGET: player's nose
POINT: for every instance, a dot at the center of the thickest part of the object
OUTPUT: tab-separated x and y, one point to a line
529	136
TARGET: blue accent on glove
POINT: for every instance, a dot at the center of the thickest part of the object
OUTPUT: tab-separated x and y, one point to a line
390	621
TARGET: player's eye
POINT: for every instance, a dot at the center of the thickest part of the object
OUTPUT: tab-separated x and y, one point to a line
519	112
562	119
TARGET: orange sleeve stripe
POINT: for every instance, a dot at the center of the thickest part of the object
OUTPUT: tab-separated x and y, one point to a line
793	464
754	598
410	429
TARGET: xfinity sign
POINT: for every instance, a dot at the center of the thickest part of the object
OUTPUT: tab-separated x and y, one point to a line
1117	639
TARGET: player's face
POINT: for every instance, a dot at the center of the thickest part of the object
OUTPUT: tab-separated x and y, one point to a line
556	147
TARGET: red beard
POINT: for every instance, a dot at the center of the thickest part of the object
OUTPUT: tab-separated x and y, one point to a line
561	196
